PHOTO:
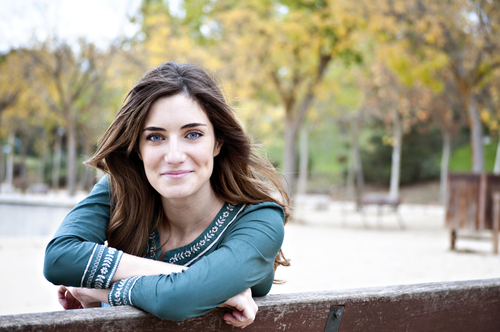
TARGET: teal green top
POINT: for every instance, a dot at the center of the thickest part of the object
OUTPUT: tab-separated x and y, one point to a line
235	252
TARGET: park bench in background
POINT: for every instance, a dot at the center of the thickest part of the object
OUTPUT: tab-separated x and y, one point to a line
39	188
446	306
381	200
470	212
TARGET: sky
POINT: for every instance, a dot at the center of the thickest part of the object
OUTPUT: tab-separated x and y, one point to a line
99	21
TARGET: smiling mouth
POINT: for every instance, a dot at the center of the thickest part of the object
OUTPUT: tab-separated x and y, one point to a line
176	174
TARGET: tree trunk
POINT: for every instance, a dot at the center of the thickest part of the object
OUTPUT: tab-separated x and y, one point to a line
71	158
476	132
445	160
356	161
43	159
496	169
349	192
56	168
396	154
289	155
9	178
304	159
24	171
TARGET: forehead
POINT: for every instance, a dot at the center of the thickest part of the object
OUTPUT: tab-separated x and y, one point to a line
177	108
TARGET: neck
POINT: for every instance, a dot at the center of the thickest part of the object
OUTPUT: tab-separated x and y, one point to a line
191	215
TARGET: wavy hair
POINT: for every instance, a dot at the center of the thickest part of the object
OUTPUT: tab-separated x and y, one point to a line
239	175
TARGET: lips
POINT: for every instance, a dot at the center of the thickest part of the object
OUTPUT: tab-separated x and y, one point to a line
178	174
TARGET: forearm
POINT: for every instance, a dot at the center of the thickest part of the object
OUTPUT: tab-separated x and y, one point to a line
89	298
133	266
206	285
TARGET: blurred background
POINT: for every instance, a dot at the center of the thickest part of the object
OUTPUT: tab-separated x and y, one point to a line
346	97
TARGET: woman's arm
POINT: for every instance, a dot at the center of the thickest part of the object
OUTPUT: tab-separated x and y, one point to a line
77	256
243	304
133	266
245	259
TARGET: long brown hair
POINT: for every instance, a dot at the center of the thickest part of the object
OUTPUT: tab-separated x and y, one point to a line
239	174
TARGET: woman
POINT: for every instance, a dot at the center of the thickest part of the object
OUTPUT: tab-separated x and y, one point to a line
188	210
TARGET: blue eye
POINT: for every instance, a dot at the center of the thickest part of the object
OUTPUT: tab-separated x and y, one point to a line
194	135
154	138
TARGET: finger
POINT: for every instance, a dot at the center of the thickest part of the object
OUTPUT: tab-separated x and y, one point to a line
249	313
61	297
232	320
61	292
238	315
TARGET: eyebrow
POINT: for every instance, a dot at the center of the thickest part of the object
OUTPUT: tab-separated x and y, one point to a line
153	129
192	125
189	125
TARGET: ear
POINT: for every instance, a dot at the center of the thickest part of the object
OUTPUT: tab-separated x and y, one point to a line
218	145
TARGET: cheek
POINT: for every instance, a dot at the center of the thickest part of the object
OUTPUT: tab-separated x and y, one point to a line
149	158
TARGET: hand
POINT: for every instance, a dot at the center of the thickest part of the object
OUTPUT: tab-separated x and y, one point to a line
67	300
77	298
245	309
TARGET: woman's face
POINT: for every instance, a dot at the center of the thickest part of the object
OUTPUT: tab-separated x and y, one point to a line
177	145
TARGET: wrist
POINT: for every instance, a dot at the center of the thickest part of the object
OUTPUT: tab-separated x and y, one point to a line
90	298
121	292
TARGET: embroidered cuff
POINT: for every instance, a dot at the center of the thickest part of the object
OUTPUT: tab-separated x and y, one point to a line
121	291
101	267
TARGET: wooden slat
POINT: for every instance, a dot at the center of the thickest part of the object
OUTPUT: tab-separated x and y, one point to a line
492	185
447	306
463	205
470	200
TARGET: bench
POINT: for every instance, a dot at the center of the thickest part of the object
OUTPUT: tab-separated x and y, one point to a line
445	306
381	200
39	188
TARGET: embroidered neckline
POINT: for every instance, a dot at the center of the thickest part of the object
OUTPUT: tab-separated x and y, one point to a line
184	255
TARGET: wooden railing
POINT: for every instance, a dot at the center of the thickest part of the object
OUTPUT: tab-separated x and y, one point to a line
445	306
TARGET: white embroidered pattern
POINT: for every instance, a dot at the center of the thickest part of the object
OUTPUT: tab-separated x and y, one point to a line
121	292
217	239
103	268
88	264
115	298
95	266
106	266
117	260
207	238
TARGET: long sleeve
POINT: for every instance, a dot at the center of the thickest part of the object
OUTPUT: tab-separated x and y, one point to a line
76	256
243	259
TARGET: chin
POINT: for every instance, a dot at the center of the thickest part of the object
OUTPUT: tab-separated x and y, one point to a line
175	195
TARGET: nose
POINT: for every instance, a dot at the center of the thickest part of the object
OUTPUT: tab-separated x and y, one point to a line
174	153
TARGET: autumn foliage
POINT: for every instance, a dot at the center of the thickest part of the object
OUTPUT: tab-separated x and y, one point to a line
285	65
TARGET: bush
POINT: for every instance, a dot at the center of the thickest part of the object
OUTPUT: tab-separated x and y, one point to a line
420	158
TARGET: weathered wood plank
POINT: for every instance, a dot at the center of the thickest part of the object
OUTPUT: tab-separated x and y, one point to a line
447	306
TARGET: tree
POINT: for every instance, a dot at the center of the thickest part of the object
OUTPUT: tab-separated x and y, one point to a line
279	51
447	112
389	100
167	36
63	75
12	85
467	32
